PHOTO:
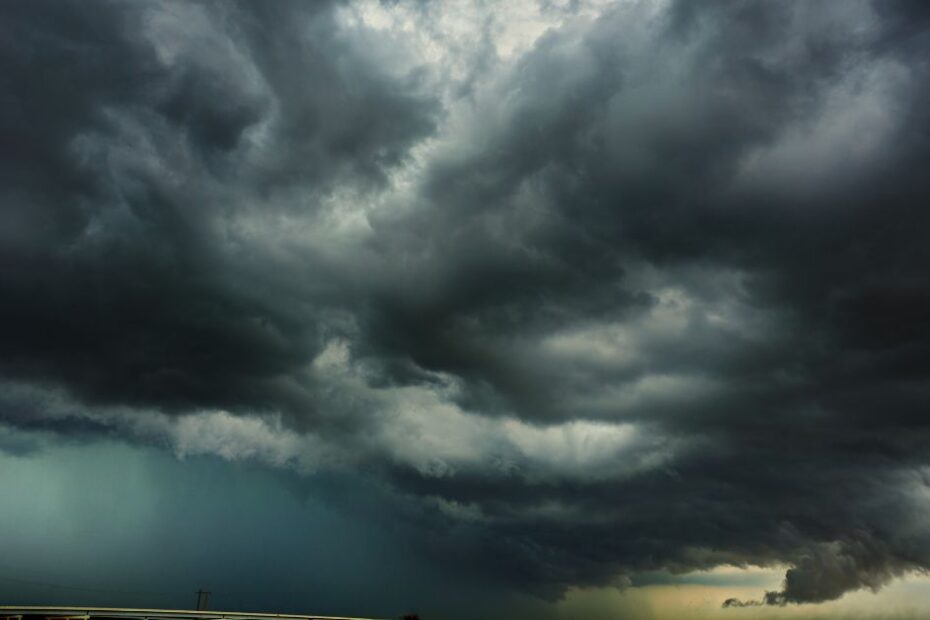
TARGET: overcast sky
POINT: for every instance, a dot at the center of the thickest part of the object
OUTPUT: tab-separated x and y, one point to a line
531	309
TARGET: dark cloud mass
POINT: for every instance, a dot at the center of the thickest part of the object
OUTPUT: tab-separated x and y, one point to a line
646	292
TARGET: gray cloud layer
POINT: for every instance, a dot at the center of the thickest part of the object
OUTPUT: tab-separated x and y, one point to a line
646	292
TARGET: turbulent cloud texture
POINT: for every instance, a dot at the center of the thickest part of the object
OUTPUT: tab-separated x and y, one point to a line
591	289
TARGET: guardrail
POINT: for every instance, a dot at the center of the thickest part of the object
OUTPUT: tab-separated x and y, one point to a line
87	613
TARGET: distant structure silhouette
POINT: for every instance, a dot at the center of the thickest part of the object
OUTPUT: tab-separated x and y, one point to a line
203	600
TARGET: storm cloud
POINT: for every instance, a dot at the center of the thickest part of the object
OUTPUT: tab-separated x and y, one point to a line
587	290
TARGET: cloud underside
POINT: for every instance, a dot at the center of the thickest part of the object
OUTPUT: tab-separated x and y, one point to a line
592	290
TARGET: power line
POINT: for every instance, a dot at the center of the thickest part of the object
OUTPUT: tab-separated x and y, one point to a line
59	586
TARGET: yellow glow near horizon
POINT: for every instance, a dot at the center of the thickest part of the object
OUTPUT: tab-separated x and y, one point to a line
904	599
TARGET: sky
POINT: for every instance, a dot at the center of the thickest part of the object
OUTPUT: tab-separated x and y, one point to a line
537	310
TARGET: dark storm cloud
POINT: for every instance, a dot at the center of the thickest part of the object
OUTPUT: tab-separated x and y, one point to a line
123	128
694	234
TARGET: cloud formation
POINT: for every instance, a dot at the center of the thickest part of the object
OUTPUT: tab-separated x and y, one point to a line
593	288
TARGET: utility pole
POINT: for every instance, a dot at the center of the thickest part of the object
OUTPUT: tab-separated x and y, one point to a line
203	600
